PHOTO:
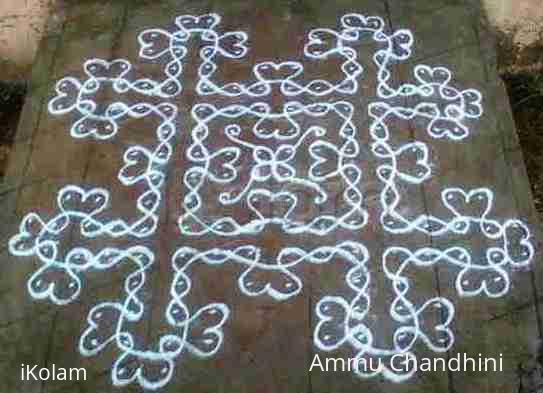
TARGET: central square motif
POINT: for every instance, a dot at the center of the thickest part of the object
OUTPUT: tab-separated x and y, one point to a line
298	167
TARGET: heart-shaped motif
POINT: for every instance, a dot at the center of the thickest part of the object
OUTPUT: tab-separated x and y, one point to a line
434	318
98	127
427	75
273	280
362	23
103	69
32	227
60	285
473	280
321	43
233	44
206	334
190	23
473	205
473	106
66	98
332	329
401	44
282	204
272	72
101	330
151	370
155	43
74	199
413	164
446	127
326	160
222	164
517	243
283	128
137	161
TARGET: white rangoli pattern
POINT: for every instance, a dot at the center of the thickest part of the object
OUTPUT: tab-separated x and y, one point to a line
276	165
334	157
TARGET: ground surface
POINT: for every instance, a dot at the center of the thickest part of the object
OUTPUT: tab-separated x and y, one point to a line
525	16
12	101
269	329
22	26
